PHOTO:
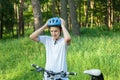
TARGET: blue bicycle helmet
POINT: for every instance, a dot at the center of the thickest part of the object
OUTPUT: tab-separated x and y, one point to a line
55	21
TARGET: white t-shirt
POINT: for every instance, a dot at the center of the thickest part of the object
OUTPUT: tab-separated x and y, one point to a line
55	53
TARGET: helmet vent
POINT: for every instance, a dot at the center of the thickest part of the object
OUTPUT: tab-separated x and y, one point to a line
55	21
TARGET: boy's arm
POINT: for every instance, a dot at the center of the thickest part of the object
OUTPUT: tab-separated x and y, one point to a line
34	35
66	34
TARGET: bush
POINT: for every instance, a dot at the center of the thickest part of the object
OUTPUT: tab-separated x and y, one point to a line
116	27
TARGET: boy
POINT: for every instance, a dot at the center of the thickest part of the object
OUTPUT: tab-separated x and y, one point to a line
55	45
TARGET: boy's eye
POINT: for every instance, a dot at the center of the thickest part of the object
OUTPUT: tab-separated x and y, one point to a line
51	31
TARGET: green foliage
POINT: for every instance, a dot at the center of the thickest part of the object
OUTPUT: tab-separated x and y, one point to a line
9	21
7	15
116	27
116	4
43	1
93	49
103	28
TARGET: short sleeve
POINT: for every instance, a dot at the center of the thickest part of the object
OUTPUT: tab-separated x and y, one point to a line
42	39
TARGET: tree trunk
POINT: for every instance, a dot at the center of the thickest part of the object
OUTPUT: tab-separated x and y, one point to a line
37	13
1	29
1	26
16	12
112	13
87	8
63	12
53	8
58	7
109	21
91	6
78	5
73	16
84	6
21	20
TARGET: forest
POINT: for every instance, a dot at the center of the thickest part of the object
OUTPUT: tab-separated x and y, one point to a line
18	15
94	26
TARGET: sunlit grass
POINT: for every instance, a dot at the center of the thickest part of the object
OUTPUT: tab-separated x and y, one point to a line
93	49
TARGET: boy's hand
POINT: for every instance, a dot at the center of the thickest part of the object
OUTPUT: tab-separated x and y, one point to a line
46	24
62	22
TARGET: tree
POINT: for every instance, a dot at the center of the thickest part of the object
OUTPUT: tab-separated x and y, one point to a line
21	20
92	7
53	8
1	27
37	13
6	17
86	15
116	9
63	11
73	16
109	14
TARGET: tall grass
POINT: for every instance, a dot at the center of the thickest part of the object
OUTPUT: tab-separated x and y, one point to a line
93	49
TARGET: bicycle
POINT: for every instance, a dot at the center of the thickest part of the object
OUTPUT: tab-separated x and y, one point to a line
52	75
95	74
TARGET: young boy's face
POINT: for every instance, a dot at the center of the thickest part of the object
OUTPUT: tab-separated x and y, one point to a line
55	32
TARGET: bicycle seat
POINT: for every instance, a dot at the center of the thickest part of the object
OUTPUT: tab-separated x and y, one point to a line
93	72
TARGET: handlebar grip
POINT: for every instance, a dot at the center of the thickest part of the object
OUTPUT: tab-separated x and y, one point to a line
38	68
71	73
35	66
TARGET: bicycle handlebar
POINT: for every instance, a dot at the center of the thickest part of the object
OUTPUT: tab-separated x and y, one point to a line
51	73
38	68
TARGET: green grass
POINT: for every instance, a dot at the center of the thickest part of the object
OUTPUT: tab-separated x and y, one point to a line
93	49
